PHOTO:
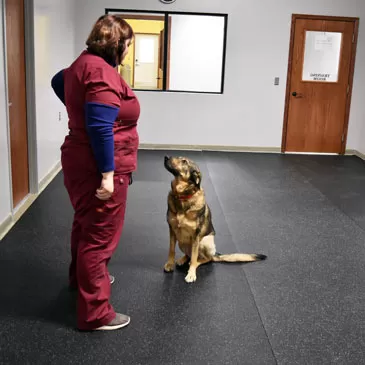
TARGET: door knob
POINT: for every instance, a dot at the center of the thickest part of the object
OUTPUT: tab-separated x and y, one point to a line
294	93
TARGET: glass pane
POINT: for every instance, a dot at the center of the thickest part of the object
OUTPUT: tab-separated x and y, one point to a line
196	53
192	45
146	61
147	49
142	68
322	56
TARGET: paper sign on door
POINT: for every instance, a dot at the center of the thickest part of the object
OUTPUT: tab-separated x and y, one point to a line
321	56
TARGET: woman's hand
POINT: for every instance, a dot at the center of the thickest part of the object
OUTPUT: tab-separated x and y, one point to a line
107	186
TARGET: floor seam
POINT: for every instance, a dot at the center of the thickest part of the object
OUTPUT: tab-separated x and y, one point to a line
244	276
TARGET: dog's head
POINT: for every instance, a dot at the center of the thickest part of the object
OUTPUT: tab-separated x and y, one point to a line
187	174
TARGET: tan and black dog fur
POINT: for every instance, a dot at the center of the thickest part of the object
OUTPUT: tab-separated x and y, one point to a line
190	221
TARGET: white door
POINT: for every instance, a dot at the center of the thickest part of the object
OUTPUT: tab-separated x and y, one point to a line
146	61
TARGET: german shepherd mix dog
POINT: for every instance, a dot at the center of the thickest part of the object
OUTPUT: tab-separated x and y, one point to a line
190	221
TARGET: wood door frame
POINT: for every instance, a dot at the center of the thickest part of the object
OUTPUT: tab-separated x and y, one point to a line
29	53
296	17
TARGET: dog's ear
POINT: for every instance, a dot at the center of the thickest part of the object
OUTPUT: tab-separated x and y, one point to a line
196	178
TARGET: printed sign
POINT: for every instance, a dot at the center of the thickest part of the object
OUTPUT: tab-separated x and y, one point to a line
323	42
320	76
322	54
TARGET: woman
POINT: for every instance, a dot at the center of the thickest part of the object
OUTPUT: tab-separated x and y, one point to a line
98	157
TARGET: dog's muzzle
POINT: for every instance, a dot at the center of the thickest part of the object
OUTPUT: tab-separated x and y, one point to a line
168	166
167	162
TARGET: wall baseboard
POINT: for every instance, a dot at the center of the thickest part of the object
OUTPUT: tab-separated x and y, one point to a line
18	212
50	176
355	153
217	148
5	226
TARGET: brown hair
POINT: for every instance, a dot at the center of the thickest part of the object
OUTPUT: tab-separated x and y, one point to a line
108	36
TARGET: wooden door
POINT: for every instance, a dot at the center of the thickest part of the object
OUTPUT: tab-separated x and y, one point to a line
15	53
146	61
320	74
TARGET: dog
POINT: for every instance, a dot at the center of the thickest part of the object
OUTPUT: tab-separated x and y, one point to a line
190	221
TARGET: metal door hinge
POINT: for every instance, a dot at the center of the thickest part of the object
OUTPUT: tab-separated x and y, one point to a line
343	138
348	89
353	38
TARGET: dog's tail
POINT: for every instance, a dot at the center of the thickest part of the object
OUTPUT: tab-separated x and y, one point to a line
238	257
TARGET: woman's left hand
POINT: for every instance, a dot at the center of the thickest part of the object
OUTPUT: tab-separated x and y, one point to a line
107	186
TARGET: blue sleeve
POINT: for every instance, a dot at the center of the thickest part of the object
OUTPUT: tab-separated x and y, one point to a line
99	125
58	86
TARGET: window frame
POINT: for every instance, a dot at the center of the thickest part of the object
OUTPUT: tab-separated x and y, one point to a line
166	15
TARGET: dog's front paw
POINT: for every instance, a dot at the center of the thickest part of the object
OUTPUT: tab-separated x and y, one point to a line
182	261
190	277
169	267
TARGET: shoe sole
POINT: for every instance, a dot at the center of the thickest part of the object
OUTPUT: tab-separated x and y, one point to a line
113	328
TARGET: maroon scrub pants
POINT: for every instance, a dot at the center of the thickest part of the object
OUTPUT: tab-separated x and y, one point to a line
96	231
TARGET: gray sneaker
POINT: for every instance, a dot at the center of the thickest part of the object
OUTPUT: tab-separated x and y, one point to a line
120	321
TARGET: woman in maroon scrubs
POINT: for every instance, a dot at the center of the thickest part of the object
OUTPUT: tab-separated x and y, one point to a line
98	157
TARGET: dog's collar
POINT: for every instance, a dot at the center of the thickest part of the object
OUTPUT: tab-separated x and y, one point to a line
183	197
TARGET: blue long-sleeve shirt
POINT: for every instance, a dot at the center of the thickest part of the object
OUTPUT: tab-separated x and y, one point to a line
99	121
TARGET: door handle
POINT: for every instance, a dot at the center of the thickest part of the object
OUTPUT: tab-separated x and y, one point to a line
297	95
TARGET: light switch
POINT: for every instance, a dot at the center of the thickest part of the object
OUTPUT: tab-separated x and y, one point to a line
276	81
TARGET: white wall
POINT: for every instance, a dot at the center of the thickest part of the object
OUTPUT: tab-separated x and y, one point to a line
196	53
361	143
54	24
5	194
250	113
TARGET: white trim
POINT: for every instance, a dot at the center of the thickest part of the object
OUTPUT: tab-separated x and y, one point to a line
17	213
21	208
250	149
4	226
31	95
350	152
217	148
360	155
355	153
49	177
312	153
